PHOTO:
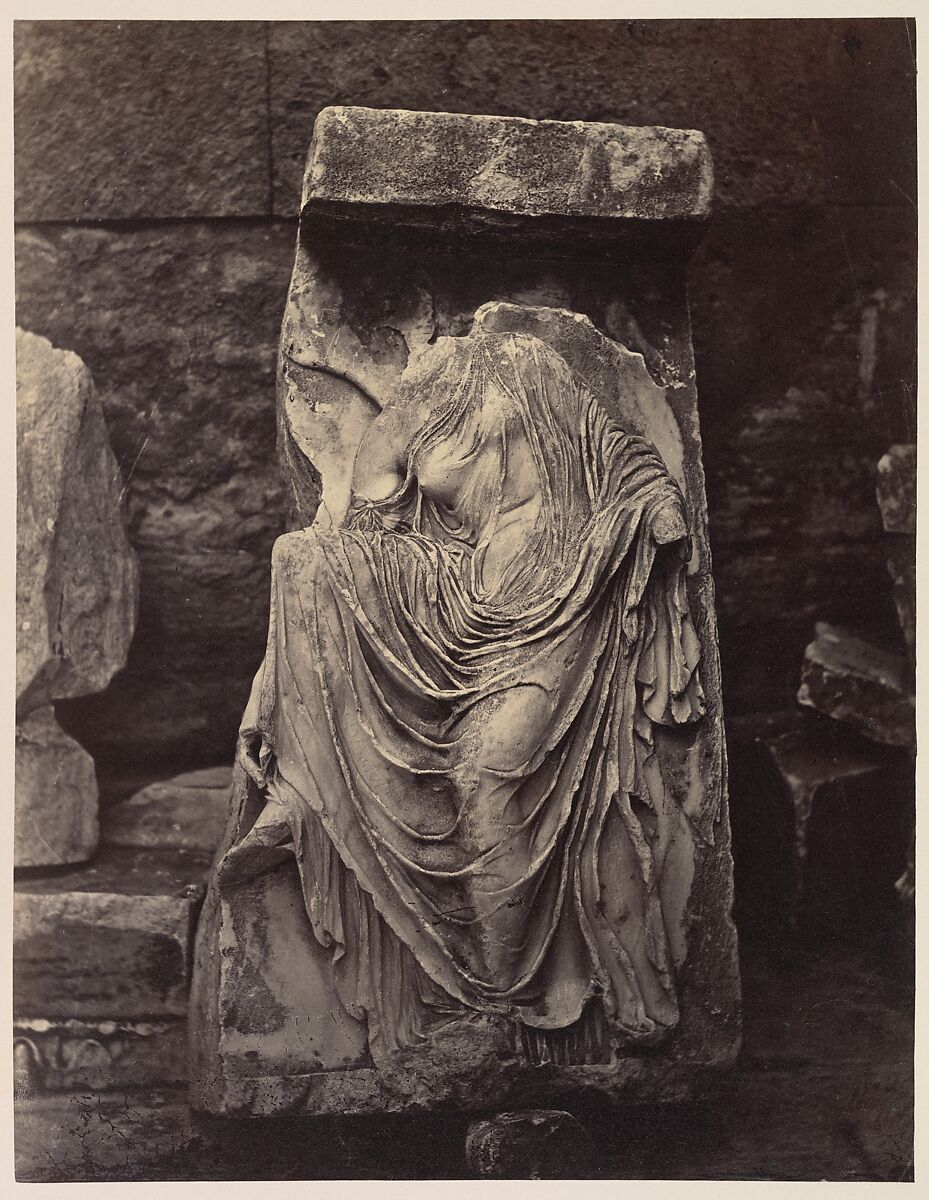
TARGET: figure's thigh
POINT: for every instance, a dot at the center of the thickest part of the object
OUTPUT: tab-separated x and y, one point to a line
504	731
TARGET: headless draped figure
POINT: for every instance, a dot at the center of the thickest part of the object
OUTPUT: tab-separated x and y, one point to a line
453	723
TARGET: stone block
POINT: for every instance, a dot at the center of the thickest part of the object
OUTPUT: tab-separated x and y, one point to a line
178	323
76	594
178	128
861	685
426	167
101	1056
896	489
56	795
849	802
808	761
535	1144
111	941
77	586
186	813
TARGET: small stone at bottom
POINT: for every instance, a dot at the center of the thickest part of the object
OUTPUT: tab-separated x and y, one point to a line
536	1144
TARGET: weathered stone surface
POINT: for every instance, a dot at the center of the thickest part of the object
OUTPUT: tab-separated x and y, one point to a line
90	1135
428	167
193	142
67	1056
56	795
270	1032
534	1144
178	324
896	489
862	685
76	594
108	942
838	85
869	78
187	813
76	575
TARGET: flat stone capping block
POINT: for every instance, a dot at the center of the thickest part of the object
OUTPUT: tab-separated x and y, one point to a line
107	942
392	159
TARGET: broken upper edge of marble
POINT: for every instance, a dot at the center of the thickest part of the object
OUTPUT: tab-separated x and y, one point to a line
390	160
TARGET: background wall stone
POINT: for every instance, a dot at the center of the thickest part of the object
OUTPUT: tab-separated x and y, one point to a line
157	181
117	119
778	100
178	324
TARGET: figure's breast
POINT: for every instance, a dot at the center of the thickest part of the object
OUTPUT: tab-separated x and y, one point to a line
489	492
444	471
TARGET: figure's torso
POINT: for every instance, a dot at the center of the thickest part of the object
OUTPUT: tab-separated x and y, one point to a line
489	488
480	477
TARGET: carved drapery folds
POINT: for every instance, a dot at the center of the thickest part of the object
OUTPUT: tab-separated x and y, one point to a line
480	822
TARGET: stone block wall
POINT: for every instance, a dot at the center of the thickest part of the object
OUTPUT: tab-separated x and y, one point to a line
158	167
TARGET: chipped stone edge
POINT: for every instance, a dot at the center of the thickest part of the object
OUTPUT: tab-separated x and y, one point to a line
363	1090
434	210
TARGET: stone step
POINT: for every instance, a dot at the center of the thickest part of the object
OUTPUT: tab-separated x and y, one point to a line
187	812
109	941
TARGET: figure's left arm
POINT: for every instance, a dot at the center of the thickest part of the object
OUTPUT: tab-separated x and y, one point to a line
669	667
669	521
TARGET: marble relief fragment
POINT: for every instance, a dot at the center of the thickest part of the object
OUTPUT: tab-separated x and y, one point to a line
478	820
